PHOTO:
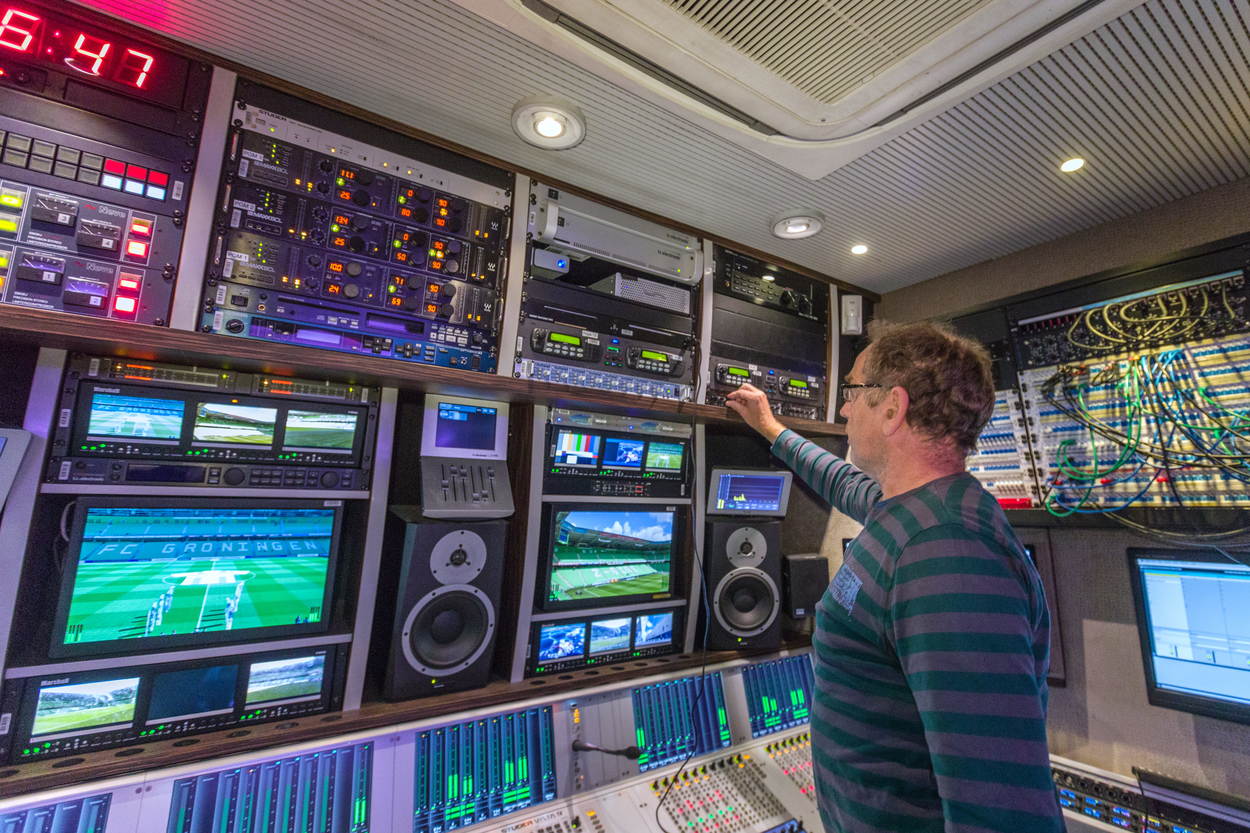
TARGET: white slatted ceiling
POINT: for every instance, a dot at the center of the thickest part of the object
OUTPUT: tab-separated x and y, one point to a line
1156	101
826	48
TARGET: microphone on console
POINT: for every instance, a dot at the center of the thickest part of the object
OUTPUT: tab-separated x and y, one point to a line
631	752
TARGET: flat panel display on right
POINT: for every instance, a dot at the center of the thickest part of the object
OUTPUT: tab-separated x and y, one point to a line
759	492
1195	634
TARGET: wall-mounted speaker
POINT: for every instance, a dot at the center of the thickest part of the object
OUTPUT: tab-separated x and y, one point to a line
742	563
447	607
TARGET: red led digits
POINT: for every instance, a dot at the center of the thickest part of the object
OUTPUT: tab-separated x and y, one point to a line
100	47
135	67
17	29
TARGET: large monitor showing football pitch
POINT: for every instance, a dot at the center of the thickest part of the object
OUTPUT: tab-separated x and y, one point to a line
607	554
144	573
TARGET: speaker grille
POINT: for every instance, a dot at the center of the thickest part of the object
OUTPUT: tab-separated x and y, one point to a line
746	602
448	629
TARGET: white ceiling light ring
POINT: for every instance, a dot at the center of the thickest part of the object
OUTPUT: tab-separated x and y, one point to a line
795	225
548	122
1072	165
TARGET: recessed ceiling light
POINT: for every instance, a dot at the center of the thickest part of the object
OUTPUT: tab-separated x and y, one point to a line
1073	164
859	249
550	123
795	224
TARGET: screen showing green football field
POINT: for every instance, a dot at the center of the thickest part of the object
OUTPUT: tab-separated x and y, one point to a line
604	555
144	572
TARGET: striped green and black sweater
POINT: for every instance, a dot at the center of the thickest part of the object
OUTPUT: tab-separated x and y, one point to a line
931	650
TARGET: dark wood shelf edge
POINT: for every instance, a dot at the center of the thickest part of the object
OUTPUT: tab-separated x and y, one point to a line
46	775
142	341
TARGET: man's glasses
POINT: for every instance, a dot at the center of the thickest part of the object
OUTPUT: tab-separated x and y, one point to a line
850	390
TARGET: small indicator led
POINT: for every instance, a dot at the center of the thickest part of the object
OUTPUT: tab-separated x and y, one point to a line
141	228
124	304
137	248
130	283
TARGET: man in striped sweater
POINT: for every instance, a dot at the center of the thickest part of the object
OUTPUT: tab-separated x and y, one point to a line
933	640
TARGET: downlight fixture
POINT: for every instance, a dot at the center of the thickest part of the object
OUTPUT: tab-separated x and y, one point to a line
793	225
549	123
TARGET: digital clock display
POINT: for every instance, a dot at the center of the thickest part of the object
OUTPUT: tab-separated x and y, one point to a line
28	34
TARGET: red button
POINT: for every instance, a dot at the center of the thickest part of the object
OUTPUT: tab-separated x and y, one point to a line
114	166
141	228
129	282
158	178
137	248
125	305
136	172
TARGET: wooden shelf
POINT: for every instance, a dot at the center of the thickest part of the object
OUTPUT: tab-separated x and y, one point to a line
141	341
78	769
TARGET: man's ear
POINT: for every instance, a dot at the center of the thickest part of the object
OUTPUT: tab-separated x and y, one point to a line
895	410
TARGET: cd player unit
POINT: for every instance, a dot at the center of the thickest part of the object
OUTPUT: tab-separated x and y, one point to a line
579	229
789	393
350	243
125	422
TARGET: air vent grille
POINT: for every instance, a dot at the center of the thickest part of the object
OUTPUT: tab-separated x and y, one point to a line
826	48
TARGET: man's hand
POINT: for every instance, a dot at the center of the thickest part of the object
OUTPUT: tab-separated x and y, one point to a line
750	403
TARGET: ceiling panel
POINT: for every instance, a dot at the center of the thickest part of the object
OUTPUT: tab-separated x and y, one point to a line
1156	101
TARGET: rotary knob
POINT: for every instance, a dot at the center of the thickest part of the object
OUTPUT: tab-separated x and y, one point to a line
448	290
453	265
351	290
313	260
326	165
412	302
356	243
234	477
234	325
360	222
788	299
354	268
446	310
365	178
361	198
330	479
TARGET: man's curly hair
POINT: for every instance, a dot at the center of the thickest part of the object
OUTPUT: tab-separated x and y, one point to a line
946	376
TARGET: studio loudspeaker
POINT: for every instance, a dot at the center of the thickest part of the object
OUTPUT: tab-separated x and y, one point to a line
447	607
743	568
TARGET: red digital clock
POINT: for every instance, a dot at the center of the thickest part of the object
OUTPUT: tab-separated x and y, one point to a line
28	34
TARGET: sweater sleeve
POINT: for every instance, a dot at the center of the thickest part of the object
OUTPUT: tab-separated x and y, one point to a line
965	624
845	487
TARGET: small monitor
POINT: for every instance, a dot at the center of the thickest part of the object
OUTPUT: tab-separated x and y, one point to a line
291	680
123	416
84	708
623	453
607	554
147	572
455	426
1195	634
223	424
576	449
652	629
662	456
13	442
308	429
559	641
186	693
749	492
610	635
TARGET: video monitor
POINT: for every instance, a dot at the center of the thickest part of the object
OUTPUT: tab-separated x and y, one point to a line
290	680
622	453
652	629
663	456
310	430
607	554
140	418
761	492
574	449
559	641
1195	634
192	692
84	708
610	635
459	427
226	424
150	572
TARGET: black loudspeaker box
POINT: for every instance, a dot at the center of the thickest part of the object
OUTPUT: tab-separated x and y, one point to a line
804	577
446	607
742	562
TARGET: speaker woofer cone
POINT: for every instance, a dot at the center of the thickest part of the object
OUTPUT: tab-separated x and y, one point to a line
448	629
746	602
